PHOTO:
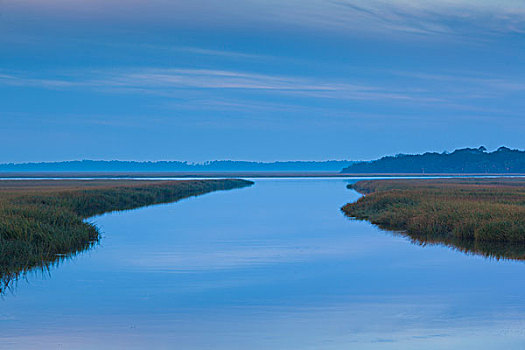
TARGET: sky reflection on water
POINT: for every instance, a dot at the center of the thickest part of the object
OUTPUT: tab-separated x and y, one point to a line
274	266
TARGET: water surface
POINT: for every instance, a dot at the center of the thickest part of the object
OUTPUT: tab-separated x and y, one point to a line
273	266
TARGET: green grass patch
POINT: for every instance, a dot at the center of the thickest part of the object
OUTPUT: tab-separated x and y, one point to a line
485	216
42	222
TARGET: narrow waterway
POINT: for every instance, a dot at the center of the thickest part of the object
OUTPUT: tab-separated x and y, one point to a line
272	266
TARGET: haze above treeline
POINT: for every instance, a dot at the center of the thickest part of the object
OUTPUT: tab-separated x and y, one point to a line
461	161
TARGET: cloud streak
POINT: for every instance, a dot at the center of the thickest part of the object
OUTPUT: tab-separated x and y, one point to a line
167	82
193	84
423	17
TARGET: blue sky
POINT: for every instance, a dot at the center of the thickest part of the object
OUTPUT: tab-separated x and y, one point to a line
258	79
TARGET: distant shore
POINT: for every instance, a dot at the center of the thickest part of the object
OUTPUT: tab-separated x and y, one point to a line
153	175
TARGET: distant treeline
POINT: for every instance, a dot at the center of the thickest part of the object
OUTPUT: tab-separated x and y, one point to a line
462	161
174	166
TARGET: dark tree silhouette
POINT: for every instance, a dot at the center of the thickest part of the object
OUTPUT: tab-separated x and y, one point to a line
462	161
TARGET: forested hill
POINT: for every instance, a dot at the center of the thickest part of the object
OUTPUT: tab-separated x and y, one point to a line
177	166
462	161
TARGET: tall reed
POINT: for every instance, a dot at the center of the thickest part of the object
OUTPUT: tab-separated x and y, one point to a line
43	222
445	210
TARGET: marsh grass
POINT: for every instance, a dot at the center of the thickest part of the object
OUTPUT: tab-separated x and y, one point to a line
43	222
483	216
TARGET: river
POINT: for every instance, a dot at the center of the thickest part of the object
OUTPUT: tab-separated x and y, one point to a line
273	266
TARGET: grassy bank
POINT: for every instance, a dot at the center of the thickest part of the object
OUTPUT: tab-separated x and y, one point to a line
43	220
486	216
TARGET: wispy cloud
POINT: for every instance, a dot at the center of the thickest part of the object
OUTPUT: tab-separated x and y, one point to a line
220	53
167	82
193	85
422	17
35	82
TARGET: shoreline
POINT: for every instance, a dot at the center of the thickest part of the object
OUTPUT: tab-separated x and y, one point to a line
480	216
228	175
44	221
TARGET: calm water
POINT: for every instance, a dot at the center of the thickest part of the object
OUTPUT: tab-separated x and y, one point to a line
273	266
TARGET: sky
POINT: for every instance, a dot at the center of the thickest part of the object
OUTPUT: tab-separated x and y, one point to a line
259	80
